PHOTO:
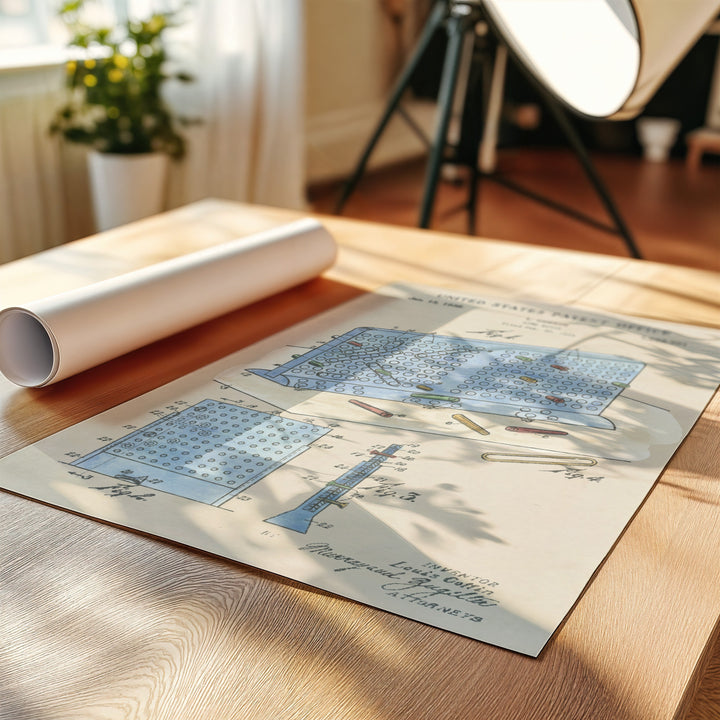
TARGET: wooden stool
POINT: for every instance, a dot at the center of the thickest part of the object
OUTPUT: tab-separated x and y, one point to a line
701	141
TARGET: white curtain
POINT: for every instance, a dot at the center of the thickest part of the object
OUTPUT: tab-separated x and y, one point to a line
249	63
248	60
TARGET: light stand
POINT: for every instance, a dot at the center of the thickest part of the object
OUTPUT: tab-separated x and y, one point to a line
460	17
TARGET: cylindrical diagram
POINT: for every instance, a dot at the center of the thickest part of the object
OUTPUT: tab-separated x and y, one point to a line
50	339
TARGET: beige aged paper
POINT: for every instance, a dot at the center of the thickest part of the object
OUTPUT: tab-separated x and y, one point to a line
464	462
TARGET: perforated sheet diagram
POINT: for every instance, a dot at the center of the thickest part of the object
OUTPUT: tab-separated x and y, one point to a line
524	381
209	452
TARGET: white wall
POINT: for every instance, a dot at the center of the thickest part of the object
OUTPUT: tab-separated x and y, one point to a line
353	54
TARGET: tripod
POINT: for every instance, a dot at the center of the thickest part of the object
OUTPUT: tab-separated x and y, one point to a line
460	18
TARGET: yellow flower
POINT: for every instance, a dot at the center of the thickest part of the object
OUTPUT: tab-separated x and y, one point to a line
115	75
155	24
71	66
89	64
90	80
120	61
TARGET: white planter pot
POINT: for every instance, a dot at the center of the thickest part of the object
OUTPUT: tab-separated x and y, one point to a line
126	187
657	136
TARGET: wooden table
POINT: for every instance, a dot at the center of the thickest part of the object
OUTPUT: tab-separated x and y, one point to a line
98	622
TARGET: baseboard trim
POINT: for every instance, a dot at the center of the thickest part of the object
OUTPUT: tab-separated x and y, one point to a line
335	140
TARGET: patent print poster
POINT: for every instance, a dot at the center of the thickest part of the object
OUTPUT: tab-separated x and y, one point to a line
464	462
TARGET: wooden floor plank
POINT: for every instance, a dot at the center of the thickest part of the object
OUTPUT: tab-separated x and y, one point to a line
673	213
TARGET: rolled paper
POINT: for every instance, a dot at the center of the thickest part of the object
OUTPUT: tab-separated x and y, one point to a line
53	338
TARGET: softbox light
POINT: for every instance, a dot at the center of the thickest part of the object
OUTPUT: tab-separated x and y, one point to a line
602	58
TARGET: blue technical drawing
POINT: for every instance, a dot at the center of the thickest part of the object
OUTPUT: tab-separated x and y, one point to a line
524	381
208	452
299	518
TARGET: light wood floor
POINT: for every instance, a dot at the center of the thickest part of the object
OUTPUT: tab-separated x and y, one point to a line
674	214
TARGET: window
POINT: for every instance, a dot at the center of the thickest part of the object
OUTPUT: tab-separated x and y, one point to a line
23	23
32	34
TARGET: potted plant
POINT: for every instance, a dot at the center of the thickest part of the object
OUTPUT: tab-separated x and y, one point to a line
115	106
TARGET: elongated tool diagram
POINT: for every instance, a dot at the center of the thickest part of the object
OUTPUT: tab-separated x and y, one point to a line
299	518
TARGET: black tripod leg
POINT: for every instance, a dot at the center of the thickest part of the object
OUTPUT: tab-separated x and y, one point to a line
456	27
475	125
577	145
473	192
434	21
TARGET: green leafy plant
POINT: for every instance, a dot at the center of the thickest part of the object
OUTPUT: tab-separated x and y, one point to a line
115	102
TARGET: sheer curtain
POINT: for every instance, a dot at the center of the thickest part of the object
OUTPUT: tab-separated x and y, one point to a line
248	60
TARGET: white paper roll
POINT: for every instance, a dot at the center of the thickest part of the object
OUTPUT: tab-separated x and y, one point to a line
50	339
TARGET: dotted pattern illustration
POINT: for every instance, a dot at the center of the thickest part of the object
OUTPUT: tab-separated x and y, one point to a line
441	371
209	452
